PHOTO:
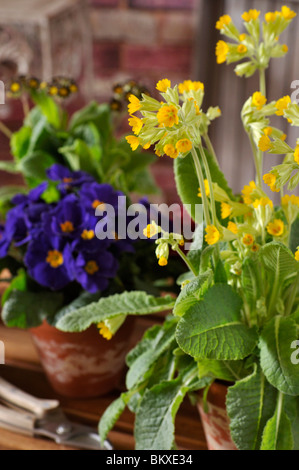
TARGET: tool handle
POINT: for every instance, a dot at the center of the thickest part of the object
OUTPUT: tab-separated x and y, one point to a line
23	423
15	396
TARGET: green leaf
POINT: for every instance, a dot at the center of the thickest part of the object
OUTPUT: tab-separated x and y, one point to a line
191	293
84	299
19	142
154	426
82	157
229	371
213	328
294	237
111	415
127	303
8	192
187	185
49	108
220	276
100	115
18	283
250	404
155	348
35	164
280	261
9	167
278	431
275	347
29	309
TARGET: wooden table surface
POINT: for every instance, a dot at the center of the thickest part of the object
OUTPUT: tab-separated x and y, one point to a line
23	369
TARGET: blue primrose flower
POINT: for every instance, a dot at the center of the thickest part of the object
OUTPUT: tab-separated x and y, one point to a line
66	219
94	270
97	195
68	179
50	262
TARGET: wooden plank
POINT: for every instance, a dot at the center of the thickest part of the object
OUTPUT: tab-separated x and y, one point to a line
189	432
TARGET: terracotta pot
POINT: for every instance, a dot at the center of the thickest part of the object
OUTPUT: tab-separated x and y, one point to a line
83	364
215	421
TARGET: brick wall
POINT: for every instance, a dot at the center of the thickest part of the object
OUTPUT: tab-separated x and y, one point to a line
142	39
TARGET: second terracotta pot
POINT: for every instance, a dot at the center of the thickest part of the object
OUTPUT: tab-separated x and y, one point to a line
83	364
215	420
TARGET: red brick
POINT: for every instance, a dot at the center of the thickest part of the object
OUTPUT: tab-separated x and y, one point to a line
127	25
106	57
163	59
178	28
165	4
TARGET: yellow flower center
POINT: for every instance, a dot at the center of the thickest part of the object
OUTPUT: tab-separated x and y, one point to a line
96	203
91	267
67	180
67	226
15	87
168	115
248	239
242	48
87	234
55	258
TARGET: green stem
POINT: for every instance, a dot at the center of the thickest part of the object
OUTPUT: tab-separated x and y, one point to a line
185	259
4	129
208	174
263	82
202	186
292	297
211	148
257	160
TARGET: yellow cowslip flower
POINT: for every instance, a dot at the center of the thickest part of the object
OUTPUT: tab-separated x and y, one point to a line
232	227
189	85
212	235
242	49
297	255
258	100
282	104
268	131
150	231
287	13
184	145
168	115
290	199
265	143
104	331
207	189
223	21
162	261
263	202
136	124
285	48
147	146
170	151
248	239
226	210
222	49
270	180
250	15
276	228
296	154
242	37
134	104
133	142
271	16
247	192
163	85
283	137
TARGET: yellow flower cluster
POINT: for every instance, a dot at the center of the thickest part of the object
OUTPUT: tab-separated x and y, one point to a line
172	125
